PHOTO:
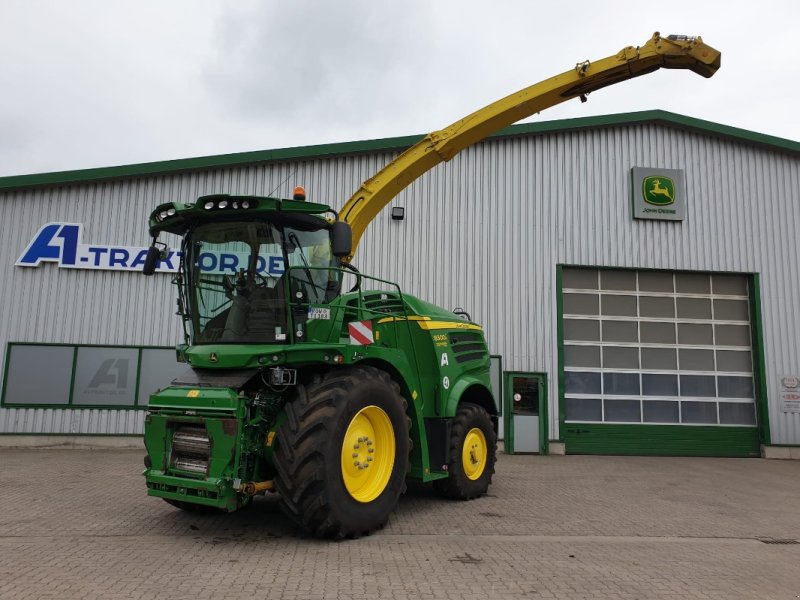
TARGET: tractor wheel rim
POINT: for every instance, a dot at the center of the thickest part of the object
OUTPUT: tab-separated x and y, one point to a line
368	453
474	453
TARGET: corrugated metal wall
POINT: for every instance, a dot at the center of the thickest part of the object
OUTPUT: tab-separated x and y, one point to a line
484	232
71	421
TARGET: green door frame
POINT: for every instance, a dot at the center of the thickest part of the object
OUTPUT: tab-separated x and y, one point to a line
508	417
759	364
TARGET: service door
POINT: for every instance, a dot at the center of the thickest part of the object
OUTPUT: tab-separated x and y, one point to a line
524	414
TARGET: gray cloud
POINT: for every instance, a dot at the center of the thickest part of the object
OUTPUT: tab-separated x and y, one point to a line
309	60
97	83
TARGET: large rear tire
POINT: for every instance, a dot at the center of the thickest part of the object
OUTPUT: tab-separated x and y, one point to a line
343	453
473	453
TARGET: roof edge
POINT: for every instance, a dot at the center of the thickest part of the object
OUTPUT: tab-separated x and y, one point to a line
94	175
662	117
181	165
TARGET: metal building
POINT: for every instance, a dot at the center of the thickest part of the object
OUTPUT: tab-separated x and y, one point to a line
637	275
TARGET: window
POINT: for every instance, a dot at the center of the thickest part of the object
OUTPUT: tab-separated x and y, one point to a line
81	376
657	347
23	379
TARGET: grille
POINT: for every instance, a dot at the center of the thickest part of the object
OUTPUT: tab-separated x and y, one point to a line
468	346
191	450
383	302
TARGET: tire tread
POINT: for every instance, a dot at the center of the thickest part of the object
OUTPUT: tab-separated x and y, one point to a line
300	459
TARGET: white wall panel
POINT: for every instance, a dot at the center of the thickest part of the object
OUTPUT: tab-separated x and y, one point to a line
483	232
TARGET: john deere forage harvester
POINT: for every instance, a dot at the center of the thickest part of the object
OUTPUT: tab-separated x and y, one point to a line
333	398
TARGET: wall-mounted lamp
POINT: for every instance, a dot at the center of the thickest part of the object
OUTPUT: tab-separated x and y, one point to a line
398	213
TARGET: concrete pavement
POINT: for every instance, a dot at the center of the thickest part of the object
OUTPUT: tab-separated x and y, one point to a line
77	524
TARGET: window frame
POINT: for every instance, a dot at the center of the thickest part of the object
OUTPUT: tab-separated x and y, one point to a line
70	404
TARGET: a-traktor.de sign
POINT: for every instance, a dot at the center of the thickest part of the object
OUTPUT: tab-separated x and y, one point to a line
61	243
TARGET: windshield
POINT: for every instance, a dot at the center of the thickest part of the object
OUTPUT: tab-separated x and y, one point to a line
237	281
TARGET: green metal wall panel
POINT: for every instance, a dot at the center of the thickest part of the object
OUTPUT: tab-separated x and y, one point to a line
661	440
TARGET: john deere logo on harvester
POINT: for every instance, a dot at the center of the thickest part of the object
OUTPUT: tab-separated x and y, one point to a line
658	190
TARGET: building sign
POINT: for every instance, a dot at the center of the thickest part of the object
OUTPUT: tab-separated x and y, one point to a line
658	194
221	263
790	393
61	243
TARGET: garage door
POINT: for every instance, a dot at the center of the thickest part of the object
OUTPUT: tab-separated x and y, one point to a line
657	362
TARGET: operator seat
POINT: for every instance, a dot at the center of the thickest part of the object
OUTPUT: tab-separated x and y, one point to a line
267	312
235	324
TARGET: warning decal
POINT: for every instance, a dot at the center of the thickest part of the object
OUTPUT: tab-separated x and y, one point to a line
361	333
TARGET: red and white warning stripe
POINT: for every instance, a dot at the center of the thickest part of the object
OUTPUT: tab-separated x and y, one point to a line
360	333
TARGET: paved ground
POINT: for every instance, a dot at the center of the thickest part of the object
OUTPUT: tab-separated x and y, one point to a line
77	524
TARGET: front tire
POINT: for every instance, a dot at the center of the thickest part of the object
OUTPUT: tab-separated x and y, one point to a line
473	453
343	453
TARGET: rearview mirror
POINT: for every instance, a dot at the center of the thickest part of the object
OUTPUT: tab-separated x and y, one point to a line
151	260
341	239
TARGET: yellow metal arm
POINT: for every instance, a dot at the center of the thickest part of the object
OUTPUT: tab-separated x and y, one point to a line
673	52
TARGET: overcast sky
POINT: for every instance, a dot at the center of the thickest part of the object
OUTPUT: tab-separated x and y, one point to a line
94	83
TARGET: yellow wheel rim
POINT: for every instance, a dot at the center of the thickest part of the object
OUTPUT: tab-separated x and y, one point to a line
368	453
474	453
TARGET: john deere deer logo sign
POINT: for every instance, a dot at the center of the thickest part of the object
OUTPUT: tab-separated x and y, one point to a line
658	194
659	191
